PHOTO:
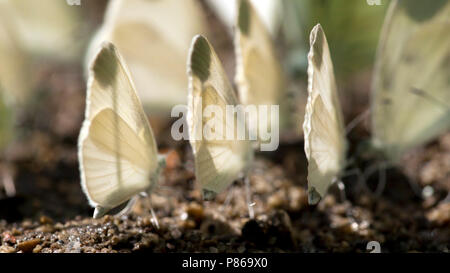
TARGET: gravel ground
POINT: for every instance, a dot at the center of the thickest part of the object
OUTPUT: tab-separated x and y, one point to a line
50	213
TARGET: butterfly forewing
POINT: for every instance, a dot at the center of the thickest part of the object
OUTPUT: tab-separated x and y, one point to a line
325	143
218	161
117	150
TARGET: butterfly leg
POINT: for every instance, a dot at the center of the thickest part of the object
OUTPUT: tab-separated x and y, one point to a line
6	179
154	220
356	121
445	200
414	185
341	188
381	180
361	183
248	197
228	198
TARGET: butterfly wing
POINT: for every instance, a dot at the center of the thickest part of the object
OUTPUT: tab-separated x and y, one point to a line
325	144
6	123
46	27
154	38
14	90
411	87
218	161
258	71
15	62
117	150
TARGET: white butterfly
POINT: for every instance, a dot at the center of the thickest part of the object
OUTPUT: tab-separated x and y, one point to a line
154	38
411	87
48	28
410	91
14	90
15	63
116	148
220	161
324	132
259	75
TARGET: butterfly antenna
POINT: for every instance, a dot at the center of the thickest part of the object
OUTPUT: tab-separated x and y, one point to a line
248	195
381	180
359	118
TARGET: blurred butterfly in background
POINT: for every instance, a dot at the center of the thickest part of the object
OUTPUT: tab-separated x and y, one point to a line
411	86
46	28
117	151
259	76
410	92
13	88
154	38
15	63
324	131
32	31
270	12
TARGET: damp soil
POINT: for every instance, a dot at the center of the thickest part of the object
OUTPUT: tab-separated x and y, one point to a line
49	212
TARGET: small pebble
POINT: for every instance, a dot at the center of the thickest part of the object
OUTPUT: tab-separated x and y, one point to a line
8	238
37	249
28	246
195	211
277	200
45	228
44	220
7	249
